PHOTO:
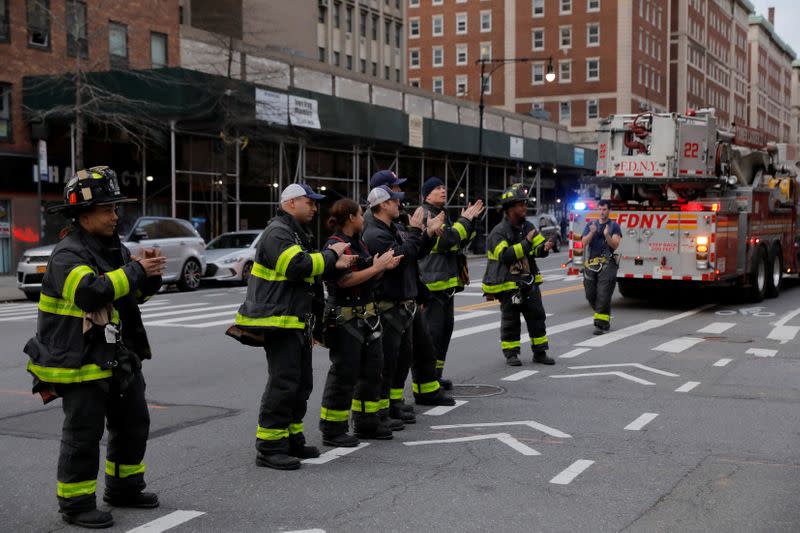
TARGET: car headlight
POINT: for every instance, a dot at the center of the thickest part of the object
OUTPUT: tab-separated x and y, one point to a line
230	260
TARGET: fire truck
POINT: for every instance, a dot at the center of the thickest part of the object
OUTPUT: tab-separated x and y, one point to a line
696	204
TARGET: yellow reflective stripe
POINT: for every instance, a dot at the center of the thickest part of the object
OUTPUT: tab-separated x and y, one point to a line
295	428
271	434
318	264
508	345
495	254
52	374
395	394
383	404
57	306
443	285
462	231
601	316
80	488
538	341
333	415
518	251
493	289
425	388
283	260
124	470
366	407
537	240
286	322
260	271
538	278
119	279
73	279
439	363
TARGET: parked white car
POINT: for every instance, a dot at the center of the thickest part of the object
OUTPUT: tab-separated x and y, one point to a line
183	247
231	256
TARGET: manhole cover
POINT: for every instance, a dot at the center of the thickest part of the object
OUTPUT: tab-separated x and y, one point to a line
476	391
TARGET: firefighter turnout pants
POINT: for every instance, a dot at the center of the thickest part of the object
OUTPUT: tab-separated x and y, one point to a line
420	347
397	332
599	287
440	316
87	406
285	399
354	377
530	306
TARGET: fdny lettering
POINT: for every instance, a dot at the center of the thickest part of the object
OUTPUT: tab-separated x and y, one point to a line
637	166
643	220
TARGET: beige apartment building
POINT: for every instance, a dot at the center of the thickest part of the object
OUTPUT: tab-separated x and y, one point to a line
795	102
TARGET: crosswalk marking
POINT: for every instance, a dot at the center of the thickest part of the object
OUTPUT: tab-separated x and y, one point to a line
192	310
678	345
722	362
783	334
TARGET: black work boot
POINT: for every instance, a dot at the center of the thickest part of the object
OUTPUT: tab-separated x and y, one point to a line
377	431
396	411
541	358
142	500
343	440
598	330
407	407
392	423
446	384
94	519
434	398
278	461
513	360
298	448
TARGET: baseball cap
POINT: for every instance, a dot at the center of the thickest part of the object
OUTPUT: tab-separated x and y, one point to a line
385	177
296	190
380	194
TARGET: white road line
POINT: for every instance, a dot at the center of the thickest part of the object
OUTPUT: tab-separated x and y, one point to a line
783	334
15	318
334	454
520	375
686	387
443	409
474	314
469	294
571	472
678	345
505	438
622	375
306	531
148	316
179	306
17	306
636	329
560	328
723	362
166	522
762	352
635	365
170	321
787	317
574	353
641	422
716	327
228	321
553	432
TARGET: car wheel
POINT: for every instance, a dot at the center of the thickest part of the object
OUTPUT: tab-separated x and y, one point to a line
774	271
32	295
246	269
190	276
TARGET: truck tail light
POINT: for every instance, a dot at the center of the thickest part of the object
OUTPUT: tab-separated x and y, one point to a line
701	252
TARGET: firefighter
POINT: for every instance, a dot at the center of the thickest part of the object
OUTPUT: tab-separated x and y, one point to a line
397	291
353	335
444	268
513	278
279	305
88	349
601	239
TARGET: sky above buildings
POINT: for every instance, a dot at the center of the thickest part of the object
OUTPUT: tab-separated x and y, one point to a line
787	18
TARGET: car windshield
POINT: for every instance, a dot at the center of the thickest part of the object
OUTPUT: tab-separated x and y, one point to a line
232	240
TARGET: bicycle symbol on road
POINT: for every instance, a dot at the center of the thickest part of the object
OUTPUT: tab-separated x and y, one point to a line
748	311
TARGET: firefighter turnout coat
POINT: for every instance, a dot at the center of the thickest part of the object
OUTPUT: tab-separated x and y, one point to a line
440	268
506	247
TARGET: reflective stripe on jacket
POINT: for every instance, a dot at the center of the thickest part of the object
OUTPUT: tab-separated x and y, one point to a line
439	268
505	246
284	278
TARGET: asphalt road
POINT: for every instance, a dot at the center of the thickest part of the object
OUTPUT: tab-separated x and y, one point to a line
685	418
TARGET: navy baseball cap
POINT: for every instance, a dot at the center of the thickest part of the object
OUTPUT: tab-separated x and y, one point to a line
385	177
296	190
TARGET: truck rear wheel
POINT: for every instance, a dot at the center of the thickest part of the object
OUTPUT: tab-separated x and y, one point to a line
774	271
629	288
757	278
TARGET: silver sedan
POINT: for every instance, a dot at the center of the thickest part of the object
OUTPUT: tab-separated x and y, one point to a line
231	256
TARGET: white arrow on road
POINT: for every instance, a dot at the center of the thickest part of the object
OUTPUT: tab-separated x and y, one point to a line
635	365
622	375
505	438
530	423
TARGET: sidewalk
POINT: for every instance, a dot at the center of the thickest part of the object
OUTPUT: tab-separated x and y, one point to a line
9	290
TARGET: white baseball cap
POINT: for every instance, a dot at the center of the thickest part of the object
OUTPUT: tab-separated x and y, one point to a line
296	190
378	195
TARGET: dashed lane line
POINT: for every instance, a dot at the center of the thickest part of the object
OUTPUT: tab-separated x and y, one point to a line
166	522
520	375
574	353
762	352
571	472
641	421
715	328
686	387
443	409
678	345
723	362
334	454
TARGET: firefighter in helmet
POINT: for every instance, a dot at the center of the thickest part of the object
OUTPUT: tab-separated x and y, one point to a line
513	278
88	348
601	239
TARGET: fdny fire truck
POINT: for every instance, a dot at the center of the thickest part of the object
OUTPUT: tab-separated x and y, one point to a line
696	204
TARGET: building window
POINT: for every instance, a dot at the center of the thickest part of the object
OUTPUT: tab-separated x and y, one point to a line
438	85
337	8
565	71
486	50
387	72
413	28
39	23
397	34
487	84
375	25
362	24
461	23
363	66
5	34
397	75
158	49
592	109
537	74
5	112
462	57
537	36
437	2
461	85
566	7
414	82
537	8
592	6
337	58
118	45
348	62
438	56
593	69
322	11
592	35
374	68
565	112
387	33
486	21
322	54
76	29
413	3
413	58
565	40
348	19
437	22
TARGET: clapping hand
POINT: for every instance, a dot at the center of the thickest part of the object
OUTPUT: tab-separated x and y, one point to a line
417	219
473	211
436	225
